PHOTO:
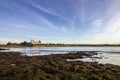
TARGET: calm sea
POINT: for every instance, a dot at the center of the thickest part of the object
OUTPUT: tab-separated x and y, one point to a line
107	54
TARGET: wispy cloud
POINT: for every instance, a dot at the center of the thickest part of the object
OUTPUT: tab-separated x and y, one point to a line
82	19
96	23
49	11
114	23
41	23
109	31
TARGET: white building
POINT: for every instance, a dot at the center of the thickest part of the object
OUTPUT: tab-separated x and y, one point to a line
35	41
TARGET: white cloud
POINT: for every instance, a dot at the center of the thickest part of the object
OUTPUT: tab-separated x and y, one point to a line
109	32
97	23
64	29
114	23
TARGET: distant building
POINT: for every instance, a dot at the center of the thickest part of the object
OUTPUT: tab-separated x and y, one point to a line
35	42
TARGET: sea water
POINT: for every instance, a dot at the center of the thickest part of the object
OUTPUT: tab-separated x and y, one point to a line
105	54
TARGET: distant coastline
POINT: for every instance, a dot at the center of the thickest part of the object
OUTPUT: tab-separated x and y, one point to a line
58	45
38	43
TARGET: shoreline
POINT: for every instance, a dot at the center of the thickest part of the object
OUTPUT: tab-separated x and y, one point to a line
14	66
55	45
8	47
3	49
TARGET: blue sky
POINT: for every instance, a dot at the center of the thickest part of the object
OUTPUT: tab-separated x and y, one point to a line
60	21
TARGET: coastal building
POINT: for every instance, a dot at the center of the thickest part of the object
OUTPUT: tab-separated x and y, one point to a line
35	42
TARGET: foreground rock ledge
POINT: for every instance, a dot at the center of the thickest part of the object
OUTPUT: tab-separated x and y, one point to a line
13	66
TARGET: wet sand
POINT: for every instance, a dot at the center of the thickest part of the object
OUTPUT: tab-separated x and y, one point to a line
14	66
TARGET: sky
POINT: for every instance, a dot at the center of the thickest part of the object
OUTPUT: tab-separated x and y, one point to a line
60	21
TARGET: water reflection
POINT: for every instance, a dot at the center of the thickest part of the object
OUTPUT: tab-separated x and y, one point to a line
101	58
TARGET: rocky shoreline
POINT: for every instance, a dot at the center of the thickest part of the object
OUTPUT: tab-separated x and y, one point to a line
14	66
